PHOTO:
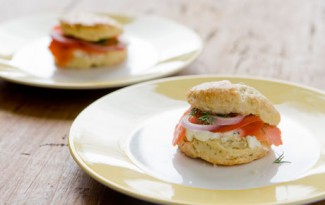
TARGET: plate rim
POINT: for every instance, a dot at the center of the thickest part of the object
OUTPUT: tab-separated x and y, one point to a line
128	192
36	81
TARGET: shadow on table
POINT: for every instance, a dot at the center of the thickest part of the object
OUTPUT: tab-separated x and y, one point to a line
46	103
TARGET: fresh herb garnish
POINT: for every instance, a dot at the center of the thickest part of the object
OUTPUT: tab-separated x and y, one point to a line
280	160
206	118
223	115
194	111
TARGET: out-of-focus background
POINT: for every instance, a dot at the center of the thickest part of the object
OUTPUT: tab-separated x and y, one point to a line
259	38
263	38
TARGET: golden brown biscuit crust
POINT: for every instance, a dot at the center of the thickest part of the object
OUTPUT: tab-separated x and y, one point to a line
223	97
219	152
90	27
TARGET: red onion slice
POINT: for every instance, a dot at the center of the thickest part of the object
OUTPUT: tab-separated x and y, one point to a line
192	126
57	35
221	121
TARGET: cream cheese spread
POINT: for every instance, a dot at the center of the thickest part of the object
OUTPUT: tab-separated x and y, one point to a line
224	136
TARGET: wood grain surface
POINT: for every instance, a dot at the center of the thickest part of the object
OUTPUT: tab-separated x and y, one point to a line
266	38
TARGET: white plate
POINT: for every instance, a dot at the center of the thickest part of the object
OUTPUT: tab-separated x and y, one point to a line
157	47
124	141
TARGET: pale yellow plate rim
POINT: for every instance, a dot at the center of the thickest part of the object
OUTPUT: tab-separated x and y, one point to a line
188	190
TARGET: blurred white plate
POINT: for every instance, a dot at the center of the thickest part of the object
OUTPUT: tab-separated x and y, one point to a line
124	140
157	47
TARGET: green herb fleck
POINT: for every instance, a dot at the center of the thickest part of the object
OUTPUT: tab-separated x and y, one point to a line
194	111
206	118
280	160
223	115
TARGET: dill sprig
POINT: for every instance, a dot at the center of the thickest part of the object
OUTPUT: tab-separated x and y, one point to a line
194	111
206	118
280	160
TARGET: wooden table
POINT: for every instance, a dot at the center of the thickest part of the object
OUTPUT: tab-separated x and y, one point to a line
267	38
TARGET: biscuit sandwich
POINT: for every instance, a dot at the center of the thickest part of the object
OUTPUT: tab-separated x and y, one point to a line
227	124
85	40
